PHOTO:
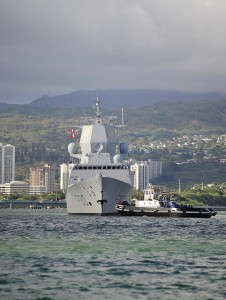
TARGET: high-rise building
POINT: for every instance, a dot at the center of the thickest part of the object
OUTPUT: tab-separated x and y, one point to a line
141	175
155	168
144	171
7	163
63	177
34	176
44	176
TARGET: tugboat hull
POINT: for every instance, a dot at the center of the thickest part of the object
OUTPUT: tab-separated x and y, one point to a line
165	212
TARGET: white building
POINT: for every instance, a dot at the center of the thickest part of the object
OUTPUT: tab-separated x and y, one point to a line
63	177
7	163
38	190
144	171
141	175
16	187
21	187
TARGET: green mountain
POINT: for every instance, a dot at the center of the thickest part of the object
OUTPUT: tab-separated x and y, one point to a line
40	134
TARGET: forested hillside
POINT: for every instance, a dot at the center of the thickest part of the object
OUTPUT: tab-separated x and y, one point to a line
41	134
182	116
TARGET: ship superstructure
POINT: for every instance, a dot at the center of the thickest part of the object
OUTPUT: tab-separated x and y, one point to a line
98	177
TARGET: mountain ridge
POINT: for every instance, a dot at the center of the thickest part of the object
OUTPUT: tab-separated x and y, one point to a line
115	98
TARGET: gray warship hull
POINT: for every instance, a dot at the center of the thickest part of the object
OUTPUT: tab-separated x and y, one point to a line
98	195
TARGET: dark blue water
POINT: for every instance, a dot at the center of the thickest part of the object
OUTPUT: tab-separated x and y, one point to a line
47	254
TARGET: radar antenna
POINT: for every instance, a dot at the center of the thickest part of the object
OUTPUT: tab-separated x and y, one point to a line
98	111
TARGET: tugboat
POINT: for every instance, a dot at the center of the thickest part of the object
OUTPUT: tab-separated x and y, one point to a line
157	203
98	177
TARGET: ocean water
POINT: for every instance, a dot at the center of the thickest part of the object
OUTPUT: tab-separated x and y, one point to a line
48	254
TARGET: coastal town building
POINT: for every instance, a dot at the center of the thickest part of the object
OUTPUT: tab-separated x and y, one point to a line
141	175
37	190
144	171
7	163
21	188
63	177
44	176
15	187
155	168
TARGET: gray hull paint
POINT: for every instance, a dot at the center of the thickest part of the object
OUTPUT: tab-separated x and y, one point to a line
98	195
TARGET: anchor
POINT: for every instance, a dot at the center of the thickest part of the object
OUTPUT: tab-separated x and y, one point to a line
102	201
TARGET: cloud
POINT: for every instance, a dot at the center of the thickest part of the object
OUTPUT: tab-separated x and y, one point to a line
54	46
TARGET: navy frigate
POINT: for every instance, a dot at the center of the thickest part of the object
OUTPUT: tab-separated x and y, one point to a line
98	176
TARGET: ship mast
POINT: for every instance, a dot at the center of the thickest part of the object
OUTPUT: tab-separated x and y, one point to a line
98	112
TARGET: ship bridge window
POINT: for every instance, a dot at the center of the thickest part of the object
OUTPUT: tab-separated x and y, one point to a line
99	167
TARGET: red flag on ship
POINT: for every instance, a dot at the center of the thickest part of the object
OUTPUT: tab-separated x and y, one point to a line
73	132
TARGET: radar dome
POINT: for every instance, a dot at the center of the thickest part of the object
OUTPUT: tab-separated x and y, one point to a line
123	147
72	148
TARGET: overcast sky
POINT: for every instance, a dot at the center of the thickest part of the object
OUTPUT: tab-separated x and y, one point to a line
58	46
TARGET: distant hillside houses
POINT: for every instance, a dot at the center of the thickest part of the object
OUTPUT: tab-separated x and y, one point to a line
187	140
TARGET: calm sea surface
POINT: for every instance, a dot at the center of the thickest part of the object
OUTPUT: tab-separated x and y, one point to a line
47	254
